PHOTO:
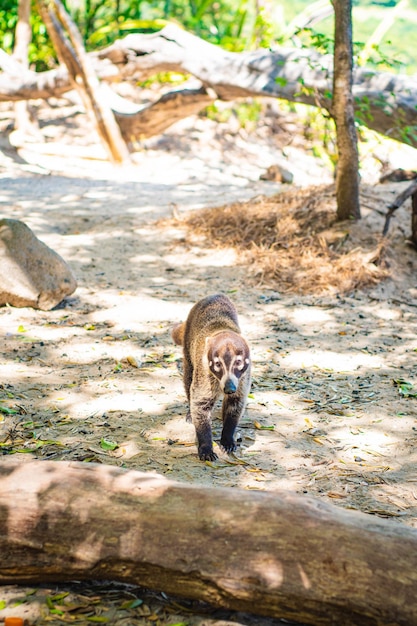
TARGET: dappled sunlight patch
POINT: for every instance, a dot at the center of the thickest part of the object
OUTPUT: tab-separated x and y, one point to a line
360	439
309	316
293	242
203	257
172	429
331	360
52	329
115	399
132	311
127	450
387	313
269	401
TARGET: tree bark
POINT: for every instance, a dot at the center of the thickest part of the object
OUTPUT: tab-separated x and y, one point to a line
23	36
347	174
275	554
385	102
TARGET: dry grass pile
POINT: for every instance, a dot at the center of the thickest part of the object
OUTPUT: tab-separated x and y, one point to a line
293	242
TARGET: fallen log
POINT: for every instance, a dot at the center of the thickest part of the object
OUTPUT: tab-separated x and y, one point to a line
275	554
385	102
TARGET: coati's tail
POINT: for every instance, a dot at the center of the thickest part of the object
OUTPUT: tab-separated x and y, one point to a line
177	334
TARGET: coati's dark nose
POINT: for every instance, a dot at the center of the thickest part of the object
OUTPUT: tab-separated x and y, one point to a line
229	386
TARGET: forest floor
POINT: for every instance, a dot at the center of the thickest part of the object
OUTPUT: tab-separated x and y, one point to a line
333	409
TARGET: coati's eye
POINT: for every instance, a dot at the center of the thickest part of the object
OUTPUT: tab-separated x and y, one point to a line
216	364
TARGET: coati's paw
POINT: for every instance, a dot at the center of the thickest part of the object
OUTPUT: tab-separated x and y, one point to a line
206	454
188	417
228	446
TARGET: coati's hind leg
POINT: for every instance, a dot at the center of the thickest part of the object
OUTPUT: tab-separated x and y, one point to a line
232	410
200	409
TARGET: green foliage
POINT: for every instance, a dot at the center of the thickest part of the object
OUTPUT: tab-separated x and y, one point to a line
232	23
217	21
319	132
395	52
235	24
41	53
247	113
165	78
264	31
312	39
8	20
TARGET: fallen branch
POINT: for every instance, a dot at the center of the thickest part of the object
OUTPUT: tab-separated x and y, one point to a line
153	119
275	554
387	103
399	201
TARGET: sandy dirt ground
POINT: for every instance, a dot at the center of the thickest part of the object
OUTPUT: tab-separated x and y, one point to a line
332	412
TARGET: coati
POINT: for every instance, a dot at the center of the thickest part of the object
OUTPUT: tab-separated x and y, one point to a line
216	360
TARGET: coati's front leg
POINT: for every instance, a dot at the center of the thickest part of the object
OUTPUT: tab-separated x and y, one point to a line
188	379
232	410
200	409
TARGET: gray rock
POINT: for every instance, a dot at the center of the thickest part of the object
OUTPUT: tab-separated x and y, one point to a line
31	274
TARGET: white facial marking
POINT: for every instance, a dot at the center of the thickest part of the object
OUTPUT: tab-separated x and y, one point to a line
239	362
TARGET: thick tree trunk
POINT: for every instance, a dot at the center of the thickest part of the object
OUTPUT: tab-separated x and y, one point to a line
347	176
274	554
387	103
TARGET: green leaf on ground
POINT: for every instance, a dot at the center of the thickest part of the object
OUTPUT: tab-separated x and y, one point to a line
405	388
108	445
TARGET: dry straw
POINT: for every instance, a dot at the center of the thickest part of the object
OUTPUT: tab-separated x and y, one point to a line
293	242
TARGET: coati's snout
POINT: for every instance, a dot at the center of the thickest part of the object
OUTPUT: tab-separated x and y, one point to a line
230	386
228	358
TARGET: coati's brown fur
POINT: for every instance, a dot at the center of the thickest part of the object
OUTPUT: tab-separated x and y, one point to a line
216	360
